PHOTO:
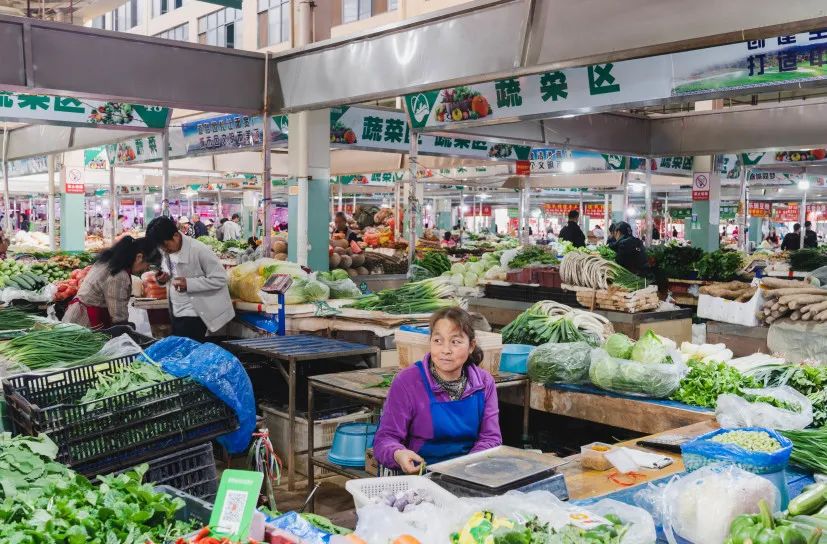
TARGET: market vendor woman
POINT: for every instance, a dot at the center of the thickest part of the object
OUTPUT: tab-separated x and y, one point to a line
444	406
103	298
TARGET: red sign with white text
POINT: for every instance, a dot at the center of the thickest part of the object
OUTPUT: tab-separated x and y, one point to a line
594	211
74	188
555	208
760	209
786	213
486	211
523	168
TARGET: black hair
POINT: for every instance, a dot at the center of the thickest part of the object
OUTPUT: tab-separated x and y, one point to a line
807	224
624	228
573	214
223	220
340	215
121	256
463	320
236	216
447	235
797	226
612	228
161	229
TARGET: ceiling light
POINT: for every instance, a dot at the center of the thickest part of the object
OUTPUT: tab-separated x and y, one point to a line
567	166
803	184
631	211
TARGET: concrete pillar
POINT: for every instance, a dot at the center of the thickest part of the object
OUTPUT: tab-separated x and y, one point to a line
618	208
704	225
309	160
50	207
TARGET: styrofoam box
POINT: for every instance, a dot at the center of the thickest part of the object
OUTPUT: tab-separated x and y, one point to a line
729	311
412	347
278	425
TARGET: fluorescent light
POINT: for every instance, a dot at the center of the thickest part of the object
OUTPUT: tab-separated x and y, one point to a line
631	211
567	166
483	196
637	187
803	184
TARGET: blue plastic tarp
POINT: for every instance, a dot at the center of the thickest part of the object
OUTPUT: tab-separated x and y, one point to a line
219	371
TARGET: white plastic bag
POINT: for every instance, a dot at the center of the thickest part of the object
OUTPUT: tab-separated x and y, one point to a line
426	523
45	295
734	411
700	506
507	256
140	318
642	530
657	380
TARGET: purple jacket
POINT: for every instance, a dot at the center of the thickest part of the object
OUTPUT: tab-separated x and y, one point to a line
406	417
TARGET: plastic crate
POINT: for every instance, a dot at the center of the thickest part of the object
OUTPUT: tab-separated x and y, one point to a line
365	490
194	508
325	429
105	435
191	471
549	277
141	339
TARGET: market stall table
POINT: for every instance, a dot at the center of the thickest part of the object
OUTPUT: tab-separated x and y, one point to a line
588	403
743	341
290	351
674	324
360	385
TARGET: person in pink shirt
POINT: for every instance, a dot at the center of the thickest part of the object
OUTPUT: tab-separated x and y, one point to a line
442	407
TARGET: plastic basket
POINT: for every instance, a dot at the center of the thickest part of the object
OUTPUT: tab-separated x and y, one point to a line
702	452
194	508
191	471
120	431
141	339
365	490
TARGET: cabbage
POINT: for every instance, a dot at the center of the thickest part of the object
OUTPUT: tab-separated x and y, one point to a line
496	272
477	268
458	268
470	279
632	377
457	279
649	349
619	345
314	290
339	274
295	295
342	288
560	363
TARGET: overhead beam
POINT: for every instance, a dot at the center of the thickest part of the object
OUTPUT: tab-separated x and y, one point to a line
62	59
794	125
35	140
484	40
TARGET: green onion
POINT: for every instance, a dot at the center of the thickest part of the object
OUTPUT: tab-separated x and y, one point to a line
46	348
12	319
412	298
809	446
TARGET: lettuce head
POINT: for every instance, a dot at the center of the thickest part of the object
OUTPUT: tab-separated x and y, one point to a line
649	349
619	345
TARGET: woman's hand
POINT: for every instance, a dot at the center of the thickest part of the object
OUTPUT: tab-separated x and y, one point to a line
406	459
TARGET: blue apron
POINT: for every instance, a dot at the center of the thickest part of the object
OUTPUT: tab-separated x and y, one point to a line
456	424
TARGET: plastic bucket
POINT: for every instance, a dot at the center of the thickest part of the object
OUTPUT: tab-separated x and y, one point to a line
350	443
514	358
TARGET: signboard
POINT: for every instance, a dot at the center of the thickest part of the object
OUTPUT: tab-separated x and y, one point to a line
816	212
61	110
754	64
228	133
680	213
475	211
95	158
786	212
700	186
556	208
673	166
27	167
523	168
594	211
513	213
548	161
73	185
728	212
760	209
388	130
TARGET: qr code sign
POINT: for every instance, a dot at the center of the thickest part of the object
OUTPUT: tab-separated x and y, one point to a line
232	511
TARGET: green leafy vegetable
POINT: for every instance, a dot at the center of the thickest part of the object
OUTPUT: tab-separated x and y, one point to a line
633	377
719	265
706	381
809	446
532	255
560	363
619	345
649	349
134	376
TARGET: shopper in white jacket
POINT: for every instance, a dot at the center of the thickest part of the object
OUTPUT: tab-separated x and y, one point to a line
232	229
199	297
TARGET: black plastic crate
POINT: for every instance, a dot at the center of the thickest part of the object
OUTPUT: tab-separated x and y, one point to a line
191	470
142	340
105	435
194	509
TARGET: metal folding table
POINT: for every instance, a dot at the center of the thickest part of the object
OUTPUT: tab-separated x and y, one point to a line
290	351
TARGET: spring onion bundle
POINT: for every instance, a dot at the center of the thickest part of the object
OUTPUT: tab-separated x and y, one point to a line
412	298
45	348
548	321
809	446
12	319
593	271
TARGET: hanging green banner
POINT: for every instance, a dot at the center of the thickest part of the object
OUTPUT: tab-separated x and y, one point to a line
61	110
